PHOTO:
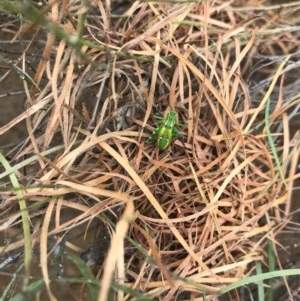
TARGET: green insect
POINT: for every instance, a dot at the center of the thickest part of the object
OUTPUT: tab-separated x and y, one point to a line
167	132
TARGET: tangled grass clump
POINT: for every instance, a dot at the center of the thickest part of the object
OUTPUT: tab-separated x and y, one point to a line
187	220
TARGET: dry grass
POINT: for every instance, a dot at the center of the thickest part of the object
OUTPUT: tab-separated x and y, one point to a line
202	209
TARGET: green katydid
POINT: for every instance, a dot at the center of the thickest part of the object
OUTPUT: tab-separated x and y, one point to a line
167	132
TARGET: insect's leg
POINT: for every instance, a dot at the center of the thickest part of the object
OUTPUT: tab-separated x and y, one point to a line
181	125
154	133
158	117
175	133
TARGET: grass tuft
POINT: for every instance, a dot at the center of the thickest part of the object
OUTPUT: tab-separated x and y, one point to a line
189	222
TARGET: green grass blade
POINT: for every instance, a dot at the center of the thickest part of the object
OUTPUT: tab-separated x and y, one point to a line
271	142
260	284
25	218
32	290
11	169
92	282
11	283
261	277
271	265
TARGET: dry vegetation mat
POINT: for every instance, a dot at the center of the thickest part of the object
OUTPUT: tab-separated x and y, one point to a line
183	221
